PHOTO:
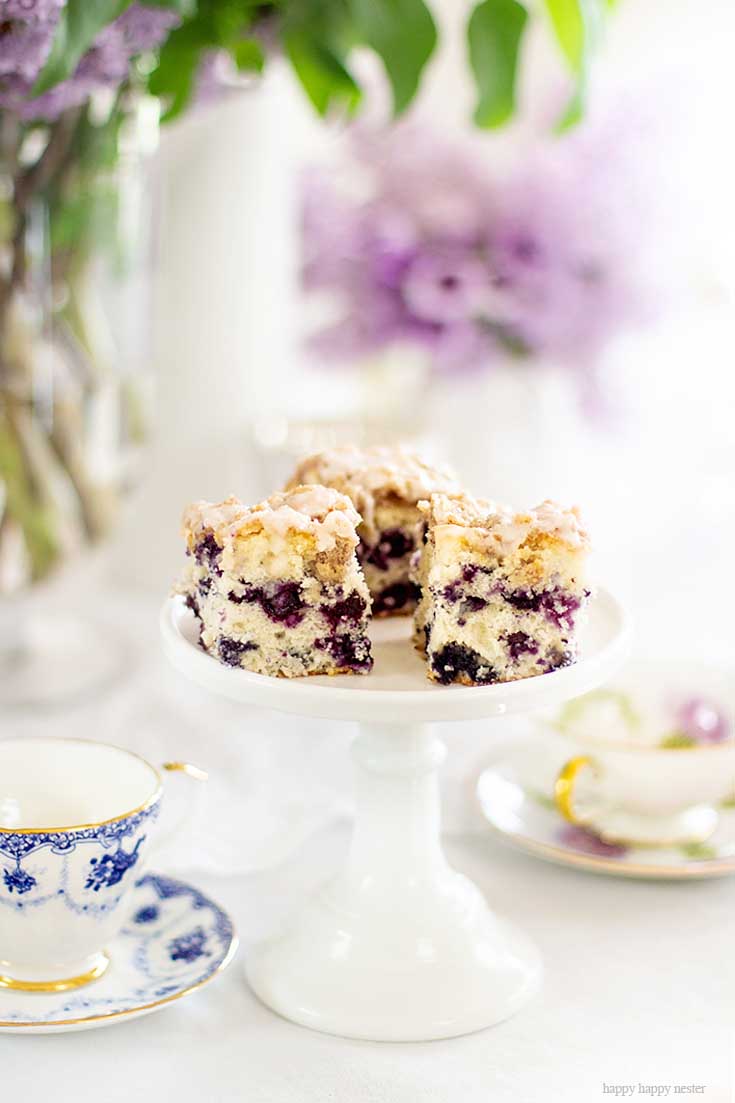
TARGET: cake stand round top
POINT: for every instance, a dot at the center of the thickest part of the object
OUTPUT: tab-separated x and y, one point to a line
398	691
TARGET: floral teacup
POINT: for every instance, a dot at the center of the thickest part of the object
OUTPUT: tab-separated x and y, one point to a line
650	761
76	821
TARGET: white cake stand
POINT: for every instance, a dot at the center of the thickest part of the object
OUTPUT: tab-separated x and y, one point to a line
399	947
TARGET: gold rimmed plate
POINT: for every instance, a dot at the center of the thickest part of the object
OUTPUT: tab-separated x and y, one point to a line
175	940
524	814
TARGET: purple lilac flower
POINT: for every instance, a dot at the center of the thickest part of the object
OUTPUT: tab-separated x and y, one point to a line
463	347
24	48
446	286
31	11
702	721
106	64
143	28
70	93
559	285
217	74
441	184
25	44
391	242
136	30
470	264
584	840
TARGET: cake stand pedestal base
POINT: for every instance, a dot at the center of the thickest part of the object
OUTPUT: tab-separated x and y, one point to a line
399	947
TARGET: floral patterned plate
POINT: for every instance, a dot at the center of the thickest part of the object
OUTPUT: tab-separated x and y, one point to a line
175	940
525	815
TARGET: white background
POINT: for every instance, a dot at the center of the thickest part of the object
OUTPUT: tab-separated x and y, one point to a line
640	977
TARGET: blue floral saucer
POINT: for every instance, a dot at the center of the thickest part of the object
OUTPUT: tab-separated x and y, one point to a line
175	941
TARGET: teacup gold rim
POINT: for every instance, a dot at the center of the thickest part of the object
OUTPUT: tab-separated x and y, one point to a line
636	748
148	803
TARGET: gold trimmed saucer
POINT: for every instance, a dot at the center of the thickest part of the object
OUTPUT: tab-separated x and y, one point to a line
175	941
528	819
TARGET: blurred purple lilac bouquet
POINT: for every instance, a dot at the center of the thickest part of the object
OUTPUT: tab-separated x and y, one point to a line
538	261
83	84
27	32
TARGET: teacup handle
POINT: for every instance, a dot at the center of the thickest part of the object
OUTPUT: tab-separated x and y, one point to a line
163	838
187	768
564	787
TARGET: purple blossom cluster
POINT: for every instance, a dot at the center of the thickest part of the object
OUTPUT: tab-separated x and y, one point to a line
27	29
702	721
471	264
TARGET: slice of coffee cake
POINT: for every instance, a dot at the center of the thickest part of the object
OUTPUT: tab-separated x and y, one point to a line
277	587
501	591
385	485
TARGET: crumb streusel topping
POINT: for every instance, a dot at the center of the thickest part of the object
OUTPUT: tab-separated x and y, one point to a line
318	511
503	529
370	475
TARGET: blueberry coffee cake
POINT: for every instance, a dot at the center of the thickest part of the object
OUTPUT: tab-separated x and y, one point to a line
501	592
277	587
385	485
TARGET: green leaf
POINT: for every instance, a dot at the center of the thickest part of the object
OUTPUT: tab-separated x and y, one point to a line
542	799
175	82
494	35
218	25
512	342
89	217
22	504
226	20
326	81
577	25
677	740
574	110
568	21
403	34
248	55
173	77
96	145
699	852
582	711
79	24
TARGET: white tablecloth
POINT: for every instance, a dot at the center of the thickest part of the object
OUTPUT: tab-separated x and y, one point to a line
639	988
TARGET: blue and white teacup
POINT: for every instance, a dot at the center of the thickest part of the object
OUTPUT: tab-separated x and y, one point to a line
76	824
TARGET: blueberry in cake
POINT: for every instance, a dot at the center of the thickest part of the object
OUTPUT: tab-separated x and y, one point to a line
277	587
501	591
385	485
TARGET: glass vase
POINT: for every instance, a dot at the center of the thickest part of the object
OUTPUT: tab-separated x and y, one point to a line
75	267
